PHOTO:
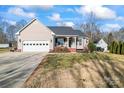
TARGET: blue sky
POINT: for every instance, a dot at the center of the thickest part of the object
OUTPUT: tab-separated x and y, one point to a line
109	17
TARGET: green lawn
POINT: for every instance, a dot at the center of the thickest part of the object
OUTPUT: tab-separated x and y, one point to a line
2	50
79	70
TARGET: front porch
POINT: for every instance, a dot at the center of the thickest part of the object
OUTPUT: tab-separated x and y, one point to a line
67	41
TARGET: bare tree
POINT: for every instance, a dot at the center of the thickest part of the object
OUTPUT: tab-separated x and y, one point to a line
110	38
11	33
119	35
91	28
3	38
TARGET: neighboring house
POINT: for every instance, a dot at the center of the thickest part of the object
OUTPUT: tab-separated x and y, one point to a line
4	45
37	37
103	45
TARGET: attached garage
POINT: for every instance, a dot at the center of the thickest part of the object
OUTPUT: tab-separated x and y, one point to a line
35	46
35	37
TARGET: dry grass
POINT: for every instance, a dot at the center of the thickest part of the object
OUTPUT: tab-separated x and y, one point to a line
79	70
114	56
2	50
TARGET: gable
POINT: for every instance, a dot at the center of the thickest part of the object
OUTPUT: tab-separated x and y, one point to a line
35	31
101	43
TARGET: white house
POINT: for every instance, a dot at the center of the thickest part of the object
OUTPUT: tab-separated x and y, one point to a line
37	37
102	44
4	45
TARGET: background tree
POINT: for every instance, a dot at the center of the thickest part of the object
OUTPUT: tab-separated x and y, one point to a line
122	50
119	34
3	38
115	47
112	47
20	24
8	30
11	30
119	47
110	38
91	28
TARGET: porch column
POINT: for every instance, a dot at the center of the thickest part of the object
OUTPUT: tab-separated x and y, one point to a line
67	41
75	42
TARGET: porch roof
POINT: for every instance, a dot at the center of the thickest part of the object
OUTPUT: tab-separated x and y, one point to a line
67	31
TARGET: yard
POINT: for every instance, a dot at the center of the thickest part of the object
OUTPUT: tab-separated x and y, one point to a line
2	50
79	70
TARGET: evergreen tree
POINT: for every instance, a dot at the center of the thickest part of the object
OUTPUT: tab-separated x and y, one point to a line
122	49
112	47
110	38
115	47
119	47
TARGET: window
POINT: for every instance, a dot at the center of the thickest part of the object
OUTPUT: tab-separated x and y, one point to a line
36	44
80	41
24	44
33	44
47	44
27	44
60	41
19	40
40	44
30	44
43	44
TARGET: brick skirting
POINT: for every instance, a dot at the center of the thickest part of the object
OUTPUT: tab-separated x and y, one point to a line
72	49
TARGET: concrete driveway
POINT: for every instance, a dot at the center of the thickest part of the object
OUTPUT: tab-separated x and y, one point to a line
15	68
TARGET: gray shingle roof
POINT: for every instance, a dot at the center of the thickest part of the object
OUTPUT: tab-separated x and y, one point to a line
63	30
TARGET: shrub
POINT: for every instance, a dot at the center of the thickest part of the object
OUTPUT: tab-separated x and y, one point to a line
91	46
112	47
115	47
122	49
109	47
119	47
60	49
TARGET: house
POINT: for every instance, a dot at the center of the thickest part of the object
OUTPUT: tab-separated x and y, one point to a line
103	45
4	45
37	37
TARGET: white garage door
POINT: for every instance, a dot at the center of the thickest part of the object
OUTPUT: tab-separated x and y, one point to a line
36	46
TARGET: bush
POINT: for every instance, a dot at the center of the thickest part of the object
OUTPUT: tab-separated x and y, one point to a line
112	47
60	49
122	49
91	46
119	48
115	47
109	47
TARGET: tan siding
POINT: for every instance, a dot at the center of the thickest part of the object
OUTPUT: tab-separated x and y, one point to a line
36	31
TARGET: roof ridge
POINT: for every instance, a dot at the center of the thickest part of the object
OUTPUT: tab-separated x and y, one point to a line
60	26
26	25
